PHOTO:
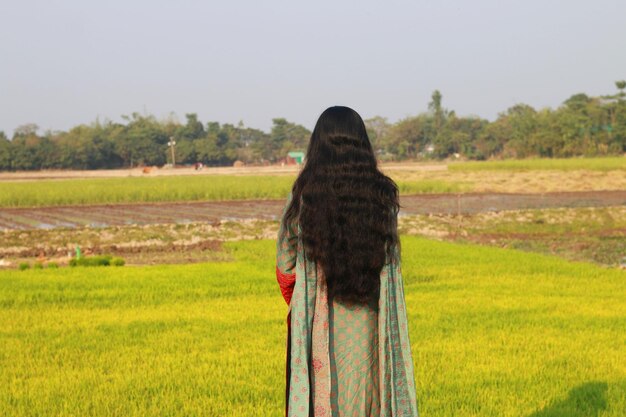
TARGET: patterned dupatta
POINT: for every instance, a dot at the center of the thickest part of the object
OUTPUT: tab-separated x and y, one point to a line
308	382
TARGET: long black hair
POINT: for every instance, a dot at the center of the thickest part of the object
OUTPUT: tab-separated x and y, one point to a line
346	208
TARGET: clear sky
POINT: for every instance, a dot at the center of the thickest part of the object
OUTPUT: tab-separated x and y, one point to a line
68	62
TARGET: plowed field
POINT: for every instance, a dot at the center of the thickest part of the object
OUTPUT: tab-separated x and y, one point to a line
215	211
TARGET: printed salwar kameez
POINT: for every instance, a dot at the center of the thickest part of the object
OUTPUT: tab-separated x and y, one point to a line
343	360
353	350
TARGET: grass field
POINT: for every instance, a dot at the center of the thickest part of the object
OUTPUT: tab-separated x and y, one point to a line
494	333
529	175
167	189
561	164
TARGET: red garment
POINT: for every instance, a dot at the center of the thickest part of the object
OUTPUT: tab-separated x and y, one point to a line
286	283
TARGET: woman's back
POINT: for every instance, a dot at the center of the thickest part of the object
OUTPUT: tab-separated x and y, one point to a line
338	266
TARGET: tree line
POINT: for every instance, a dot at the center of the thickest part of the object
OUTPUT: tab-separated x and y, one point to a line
581	126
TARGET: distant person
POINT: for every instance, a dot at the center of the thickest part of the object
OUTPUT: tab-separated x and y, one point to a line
338	268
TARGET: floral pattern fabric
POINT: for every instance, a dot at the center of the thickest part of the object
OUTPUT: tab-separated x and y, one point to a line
325	378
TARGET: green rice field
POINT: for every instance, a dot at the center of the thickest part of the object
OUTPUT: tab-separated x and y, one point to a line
561	164
168	189
494	332
57	192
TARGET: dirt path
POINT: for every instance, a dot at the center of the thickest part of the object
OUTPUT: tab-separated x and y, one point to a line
216	211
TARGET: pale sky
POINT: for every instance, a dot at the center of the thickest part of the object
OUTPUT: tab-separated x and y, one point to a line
68	62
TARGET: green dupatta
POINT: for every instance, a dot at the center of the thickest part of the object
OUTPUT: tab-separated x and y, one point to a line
308	363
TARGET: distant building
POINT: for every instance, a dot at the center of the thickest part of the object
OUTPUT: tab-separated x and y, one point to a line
294	158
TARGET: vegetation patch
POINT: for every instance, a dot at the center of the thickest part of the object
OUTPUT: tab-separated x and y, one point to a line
543	164
97	260
494	332
43	193
594	234
509	179
527	176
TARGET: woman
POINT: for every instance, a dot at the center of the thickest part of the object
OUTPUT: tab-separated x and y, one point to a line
338	268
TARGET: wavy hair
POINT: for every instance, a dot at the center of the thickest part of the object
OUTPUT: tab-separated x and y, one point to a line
346	208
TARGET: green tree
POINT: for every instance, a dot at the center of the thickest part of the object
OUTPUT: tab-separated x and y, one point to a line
213	128
248	140
193	129
25	130
208	151
228	141
437	111
463	133
85	147
284	137
490	141
143	141
27	148
377	131
522	122
618	120
185	152
5	152
621	85
439	135
408	136
583	126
